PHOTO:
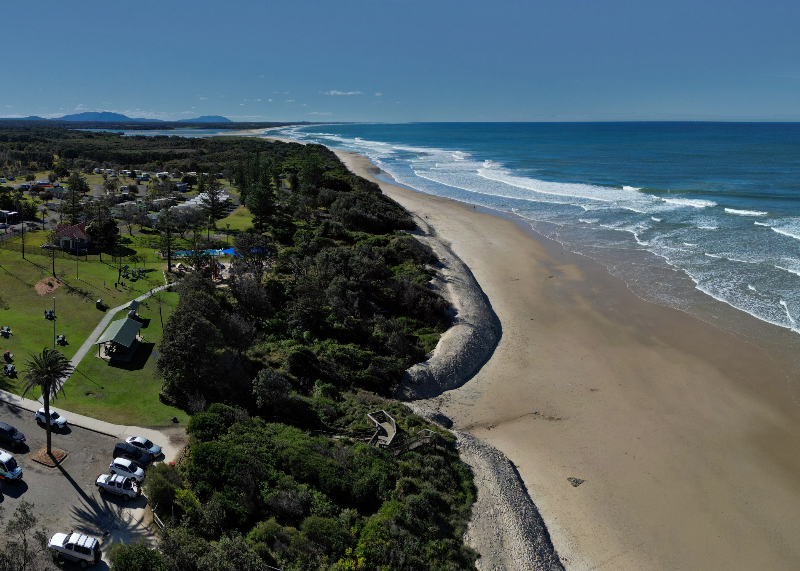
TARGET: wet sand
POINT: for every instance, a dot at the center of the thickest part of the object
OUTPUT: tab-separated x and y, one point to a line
686	436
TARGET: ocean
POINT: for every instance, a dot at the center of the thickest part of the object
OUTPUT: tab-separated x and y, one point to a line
695	216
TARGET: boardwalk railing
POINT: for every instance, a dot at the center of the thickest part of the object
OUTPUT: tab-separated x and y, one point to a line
427	437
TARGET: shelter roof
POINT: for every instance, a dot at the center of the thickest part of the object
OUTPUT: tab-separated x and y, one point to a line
122	332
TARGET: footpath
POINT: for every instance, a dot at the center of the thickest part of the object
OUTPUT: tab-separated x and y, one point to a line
170	450
90	341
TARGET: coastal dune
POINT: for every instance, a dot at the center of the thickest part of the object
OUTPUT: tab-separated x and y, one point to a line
679	437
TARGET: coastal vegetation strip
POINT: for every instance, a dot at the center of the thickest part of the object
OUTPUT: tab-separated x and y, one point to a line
325	306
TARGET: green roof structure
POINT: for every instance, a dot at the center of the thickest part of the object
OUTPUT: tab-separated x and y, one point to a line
122	332
134	305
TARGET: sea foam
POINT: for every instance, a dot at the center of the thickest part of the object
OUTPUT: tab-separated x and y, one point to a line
745	212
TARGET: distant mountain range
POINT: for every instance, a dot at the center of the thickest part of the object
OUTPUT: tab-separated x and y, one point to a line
108	117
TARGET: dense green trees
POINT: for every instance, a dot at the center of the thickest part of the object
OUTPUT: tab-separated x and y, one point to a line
267	493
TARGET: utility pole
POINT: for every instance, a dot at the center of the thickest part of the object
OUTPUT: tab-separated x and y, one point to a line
54	322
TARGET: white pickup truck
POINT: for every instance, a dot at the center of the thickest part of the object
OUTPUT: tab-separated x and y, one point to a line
119	485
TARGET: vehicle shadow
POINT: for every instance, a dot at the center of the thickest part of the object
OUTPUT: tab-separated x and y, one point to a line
54	431
13	489
24	449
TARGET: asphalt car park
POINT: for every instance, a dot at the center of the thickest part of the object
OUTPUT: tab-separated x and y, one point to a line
66	498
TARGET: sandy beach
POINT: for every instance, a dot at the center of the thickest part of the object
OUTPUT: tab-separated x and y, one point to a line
684	434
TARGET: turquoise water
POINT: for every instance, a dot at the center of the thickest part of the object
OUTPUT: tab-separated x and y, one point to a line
681	211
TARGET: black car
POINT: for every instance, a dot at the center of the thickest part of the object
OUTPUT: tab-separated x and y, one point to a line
11	435
125	450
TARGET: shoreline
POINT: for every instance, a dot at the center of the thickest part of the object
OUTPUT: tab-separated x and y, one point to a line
683	432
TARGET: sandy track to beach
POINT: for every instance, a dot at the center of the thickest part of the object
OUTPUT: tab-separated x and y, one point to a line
686	436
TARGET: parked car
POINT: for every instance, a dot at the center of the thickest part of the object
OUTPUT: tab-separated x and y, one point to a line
56	420
11	435
11	178
25	186
123	486
84	549
127	468
143	444
9	469
131	452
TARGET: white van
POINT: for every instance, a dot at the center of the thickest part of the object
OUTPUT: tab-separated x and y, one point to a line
9	469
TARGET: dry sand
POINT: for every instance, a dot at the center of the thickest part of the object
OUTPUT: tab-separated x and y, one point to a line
686	436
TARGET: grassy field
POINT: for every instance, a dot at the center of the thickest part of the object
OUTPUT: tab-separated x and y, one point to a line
240	219
77	317
126	393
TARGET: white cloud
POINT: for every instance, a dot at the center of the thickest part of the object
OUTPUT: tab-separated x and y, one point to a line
202	98
9	106
258	99
319	113
334	92
378	94
269	99
241	104
289	100
80	107
186	112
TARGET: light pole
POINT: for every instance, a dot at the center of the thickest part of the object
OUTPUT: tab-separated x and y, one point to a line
54	322
227	233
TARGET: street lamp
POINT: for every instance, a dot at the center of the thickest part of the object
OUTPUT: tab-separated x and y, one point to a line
54	322
227	233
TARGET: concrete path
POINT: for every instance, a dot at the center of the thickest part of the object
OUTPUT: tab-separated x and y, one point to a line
170	447
88	344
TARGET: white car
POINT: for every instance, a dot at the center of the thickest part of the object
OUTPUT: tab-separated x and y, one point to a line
145	446
56	420
9	469
84	549
127	468
119	485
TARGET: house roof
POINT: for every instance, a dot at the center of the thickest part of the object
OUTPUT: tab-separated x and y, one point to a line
121	332
75	232
133	305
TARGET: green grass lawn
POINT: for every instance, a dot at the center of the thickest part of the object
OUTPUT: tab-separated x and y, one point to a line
126	393
77	317
240	219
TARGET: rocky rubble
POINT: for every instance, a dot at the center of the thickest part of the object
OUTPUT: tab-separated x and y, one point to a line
506	528
470	341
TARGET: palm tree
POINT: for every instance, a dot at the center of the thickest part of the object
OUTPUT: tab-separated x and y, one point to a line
47	371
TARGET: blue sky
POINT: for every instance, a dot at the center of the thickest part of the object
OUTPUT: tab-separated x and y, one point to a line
397	61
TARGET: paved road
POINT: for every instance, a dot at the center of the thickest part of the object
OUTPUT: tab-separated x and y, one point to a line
66	499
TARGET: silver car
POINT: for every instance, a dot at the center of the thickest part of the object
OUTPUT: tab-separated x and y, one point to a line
123	486
127	468
143	444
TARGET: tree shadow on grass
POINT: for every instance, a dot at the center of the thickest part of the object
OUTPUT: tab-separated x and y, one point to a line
138	361
144	321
